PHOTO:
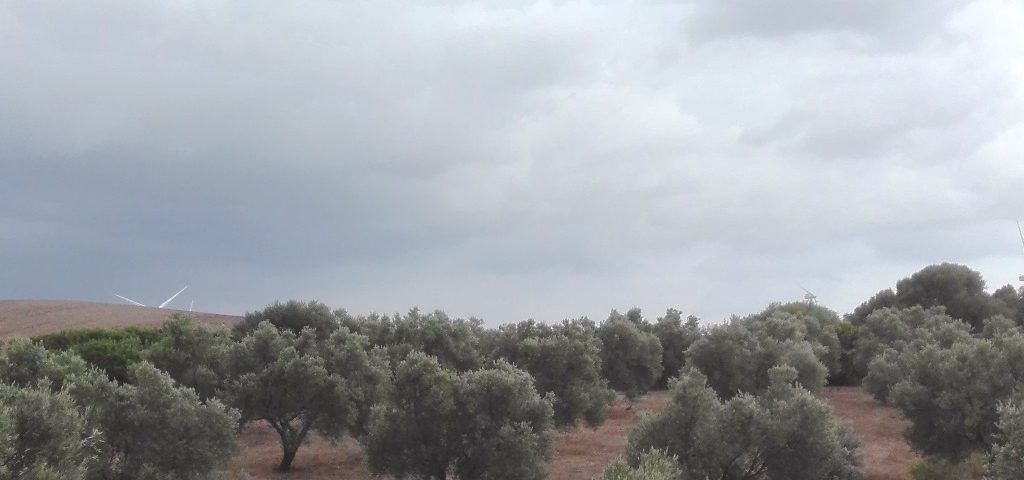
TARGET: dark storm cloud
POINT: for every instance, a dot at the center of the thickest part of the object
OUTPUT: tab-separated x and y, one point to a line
505	159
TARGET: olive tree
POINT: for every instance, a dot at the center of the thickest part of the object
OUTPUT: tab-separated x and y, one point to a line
631	357
675	336
785	433
565	362
957	288
897	329
43	435
1007	456
801	321
194	356
505	425
293	316
951	394
195	437
483	424
284	379
736	359
23	363
455	342
413	432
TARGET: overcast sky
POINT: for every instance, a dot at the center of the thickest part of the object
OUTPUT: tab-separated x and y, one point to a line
503	159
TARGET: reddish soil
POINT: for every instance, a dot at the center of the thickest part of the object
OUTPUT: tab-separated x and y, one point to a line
28	318
580	454
884	453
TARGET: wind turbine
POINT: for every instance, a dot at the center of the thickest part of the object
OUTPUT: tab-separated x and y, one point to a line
162	305
1021	232
810	297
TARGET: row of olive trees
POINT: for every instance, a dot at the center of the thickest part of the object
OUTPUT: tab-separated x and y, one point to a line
426	396
411	387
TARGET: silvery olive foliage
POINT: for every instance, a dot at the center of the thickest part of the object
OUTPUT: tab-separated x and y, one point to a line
903	329
193	356
195	438
43	435
951	394
293	315
652	465
1007	456
803	321
565	362
785	433
299	384
113	426
631	355
957	288
454	341
676	336
484	424
736	359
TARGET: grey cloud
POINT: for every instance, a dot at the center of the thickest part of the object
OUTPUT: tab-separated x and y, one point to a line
882	23
502	160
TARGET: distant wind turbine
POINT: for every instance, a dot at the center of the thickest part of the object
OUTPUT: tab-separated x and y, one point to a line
162	305
1021	232
810	297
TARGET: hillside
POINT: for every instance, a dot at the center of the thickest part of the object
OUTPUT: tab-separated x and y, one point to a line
27	318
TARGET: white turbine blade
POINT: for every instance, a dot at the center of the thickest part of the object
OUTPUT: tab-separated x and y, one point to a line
804	289
190	304
1021	232
162	305
129	300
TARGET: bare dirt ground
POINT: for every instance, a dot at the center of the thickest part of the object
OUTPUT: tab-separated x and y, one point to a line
28	318
884	453
580	454
583	453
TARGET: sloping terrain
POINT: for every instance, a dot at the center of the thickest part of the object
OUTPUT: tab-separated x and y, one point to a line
27	318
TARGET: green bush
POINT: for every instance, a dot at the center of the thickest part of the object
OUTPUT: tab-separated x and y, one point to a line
113	350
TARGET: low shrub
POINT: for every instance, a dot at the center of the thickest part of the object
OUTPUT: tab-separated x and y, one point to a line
113	350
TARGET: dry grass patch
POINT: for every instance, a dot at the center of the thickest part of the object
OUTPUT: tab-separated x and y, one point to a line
29	318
